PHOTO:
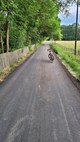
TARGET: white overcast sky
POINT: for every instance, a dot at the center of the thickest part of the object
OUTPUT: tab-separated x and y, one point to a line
71	18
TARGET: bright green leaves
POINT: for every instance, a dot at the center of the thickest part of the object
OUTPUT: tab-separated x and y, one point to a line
31	19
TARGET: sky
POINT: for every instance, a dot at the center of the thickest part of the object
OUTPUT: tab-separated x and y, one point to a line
71	18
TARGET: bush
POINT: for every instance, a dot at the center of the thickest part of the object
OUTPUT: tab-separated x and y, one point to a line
17	38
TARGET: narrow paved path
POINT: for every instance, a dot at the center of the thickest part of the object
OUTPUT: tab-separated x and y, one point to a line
39	103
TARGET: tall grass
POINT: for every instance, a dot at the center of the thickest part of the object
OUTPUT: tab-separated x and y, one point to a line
69	58
69	44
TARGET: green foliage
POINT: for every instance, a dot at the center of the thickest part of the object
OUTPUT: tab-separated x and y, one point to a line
68	32
17	37
30	21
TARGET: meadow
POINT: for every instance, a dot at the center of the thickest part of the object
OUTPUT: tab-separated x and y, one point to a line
65	51
69	44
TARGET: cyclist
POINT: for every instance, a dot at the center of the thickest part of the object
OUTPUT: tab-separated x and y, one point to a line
50	55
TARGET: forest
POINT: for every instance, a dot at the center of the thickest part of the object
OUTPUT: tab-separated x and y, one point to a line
68	32
27	22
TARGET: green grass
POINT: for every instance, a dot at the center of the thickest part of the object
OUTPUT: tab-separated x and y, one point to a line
71	61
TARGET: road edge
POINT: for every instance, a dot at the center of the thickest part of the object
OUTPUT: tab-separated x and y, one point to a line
17	67
75	81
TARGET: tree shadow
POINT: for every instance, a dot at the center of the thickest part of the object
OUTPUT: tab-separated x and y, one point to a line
44	61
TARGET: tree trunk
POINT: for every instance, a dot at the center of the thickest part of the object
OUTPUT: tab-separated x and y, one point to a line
7	34
1	43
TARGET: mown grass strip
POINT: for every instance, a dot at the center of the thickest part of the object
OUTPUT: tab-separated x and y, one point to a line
71	61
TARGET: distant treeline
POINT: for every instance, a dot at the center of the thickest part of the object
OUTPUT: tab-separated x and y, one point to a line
68	32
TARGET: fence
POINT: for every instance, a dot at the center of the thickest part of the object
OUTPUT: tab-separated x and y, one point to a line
7	59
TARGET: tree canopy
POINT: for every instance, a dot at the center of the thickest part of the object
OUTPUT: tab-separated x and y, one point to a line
27	22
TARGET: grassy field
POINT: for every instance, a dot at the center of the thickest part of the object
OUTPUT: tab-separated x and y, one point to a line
71	62
69	44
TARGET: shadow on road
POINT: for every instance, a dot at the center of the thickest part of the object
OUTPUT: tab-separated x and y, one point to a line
41	61
44	61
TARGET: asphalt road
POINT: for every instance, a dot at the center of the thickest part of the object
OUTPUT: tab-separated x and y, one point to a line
39	103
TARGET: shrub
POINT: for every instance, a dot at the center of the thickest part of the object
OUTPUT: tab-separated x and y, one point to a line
17	38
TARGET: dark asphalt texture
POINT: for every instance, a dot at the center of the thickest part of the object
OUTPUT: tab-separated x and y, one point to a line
39	103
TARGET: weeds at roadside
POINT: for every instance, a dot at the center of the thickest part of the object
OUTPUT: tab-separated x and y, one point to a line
66	56
5	72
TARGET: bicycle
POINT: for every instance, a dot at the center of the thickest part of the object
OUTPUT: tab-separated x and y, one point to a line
50	55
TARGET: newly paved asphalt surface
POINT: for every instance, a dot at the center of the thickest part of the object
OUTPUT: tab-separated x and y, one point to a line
39	103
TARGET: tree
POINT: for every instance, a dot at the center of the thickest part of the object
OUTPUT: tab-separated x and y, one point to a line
8	9
68	32
29	22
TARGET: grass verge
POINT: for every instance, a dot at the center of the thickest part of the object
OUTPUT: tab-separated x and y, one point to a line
71	62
